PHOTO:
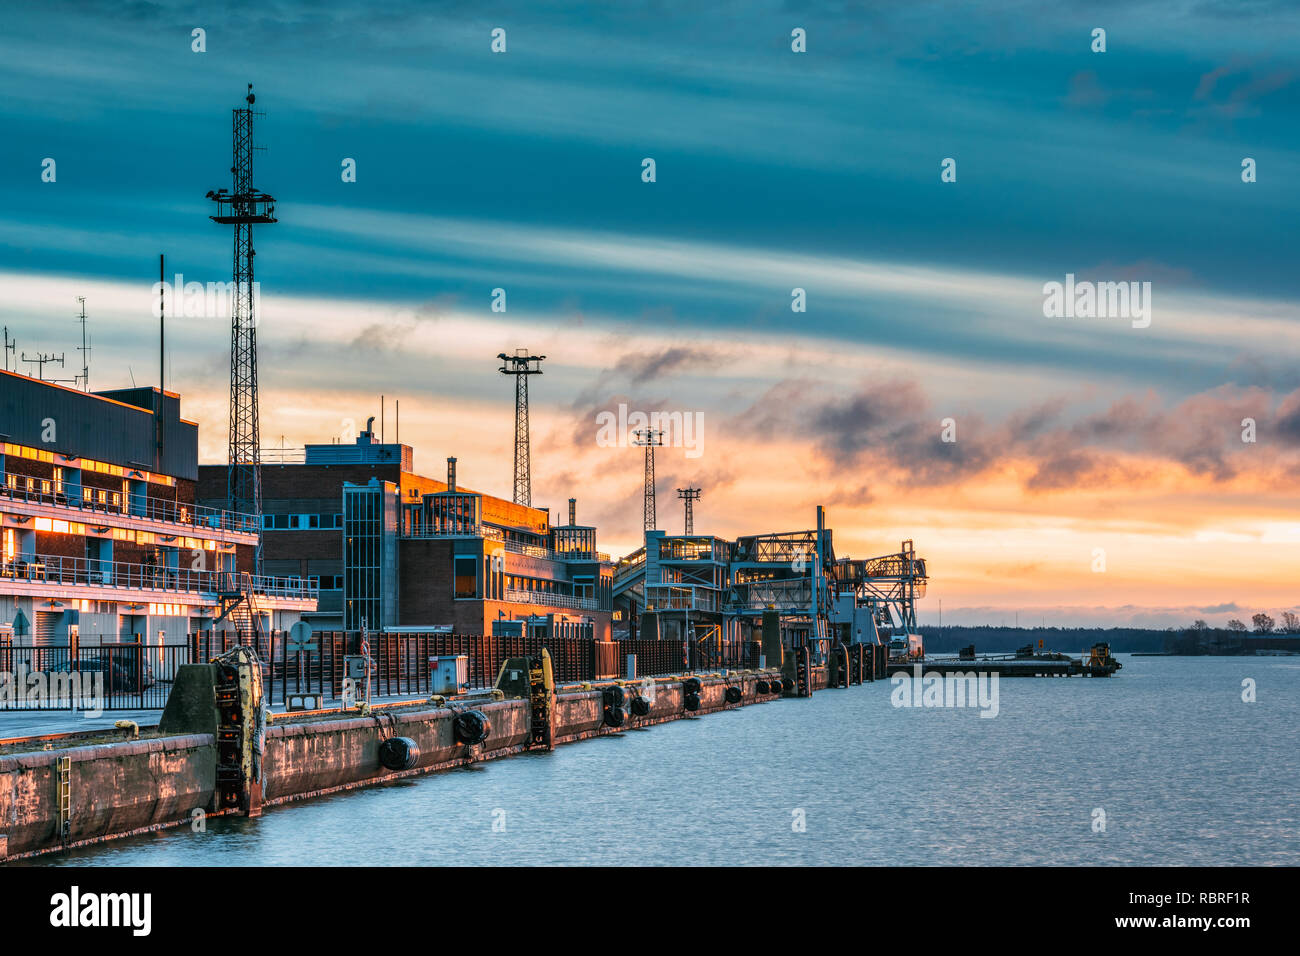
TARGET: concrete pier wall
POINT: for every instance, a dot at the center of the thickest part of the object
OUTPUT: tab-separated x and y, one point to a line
129	787
114	789
310	758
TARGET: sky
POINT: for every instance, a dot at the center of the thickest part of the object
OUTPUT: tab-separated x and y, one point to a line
1096	471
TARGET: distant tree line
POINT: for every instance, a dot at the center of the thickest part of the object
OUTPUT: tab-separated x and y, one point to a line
1263	624
1068	640
1198	638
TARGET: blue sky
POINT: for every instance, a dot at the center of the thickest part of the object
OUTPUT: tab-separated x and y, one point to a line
775	170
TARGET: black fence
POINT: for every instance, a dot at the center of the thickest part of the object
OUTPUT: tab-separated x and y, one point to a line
127	676
401	663
137	676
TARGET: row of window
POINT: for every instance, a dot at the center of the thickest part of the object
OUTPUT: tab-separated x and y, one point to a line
88	464
46	486
56	526
301	522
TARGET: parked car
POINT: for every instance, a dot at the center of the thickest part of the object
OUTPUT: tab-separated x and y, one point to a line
121	673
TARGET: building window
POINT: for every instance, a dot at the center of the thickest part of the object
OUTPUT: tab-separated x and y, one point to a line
466	569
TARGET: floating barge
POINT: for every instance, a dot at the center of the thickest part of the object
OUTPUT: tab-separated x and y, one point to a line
1097	662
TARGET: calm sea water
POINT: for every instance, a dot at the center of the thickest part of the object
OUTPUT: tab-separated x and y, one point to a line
1184	770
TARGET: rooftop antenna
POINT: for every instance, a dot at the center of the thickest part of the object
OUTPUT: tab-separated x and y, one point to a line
689	496
242	206
11	345
84	377
650	438
40	361
162	351
521	365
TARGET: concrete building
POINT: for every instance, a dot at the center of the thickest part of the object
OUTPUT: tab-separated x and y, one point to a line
394	549
101	538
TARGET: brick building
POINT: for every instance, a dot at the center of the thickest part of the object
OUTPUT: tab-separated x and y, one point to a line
394	549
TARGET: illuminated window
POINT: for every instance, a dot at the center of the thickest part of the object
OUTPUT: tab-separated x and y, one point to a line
466	576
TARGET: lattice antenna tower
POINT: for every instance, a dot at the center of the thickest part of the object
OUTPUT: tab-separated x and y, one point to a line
650	438
689	496
521	365
244	206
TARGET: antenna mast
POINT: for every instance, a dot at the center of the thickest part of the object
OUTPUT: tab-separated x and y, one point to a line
689	496
650	438
84	377
40	361
521	365
242	206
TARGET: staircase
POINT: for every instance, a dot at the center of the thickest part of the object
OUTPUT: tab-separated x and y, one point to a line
239	603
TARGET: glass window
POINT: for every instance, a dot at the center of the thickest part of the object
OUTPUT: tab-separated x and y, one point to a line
466	576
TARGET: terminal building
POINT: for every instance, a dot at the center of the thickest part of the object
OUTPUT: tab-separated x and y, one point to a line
715	593
101	538
395	550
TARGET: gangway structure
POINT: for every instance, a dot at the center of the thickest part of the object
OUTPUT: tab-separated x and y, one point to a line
890	586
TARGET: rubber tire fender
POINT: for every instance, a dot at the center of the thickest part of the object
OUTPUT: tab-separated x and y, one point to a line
399	753
615	696
471	727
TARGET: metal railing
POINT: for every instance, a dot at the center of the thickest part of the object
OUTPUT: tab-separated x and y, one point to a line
676	597
128	675
629	566
703	550
514	547
198	517
92	572
468	531
535	551
283	456
790	594
552	600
